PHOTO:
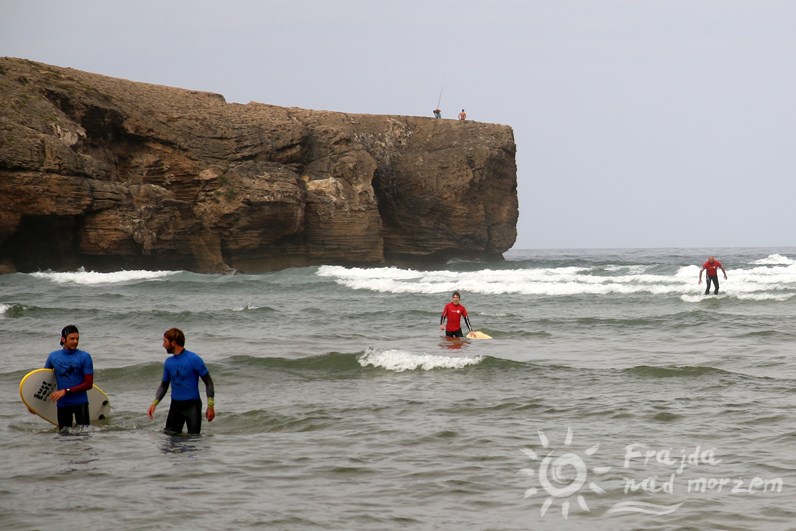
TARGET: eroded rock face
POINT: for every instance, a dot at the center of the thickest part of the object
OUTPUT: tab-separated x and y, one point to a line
108	174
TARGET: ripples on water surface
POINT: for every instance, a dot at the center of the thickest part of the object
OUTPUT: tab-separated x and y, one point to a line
611	387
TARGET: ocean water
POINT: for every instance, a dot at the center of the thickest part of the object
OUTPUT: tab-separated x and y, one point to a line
613	395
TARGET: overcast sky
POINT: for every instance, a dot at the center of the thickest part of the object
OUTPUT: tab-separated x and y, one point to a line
638	123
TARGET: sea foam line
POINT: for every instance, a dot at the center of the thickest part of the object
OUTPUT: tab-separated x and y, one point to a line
643	507
403	360
767	283
92	277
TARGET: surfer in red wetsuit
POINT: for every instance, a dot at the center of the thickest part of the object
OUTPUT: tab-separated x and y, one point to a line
453	312
712	275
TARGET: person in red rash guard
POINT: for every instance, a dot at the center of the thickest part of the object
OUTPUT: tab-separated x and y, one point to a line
712	274
453	312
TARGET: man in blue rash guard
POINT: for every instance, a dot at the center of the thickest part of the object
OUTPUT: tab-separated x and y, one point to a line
74	375
182	370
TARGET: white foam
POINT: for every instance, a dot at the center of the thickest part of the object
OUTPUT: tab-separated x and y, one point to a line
403	360
91	277
691	298
631	269
779	297
774	259
765	296
773	278
246	308
383	279
4	308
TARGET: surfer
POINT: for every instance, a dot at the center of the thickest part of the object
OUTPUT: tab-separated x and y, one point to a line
74	375
183	369
453	312
712	275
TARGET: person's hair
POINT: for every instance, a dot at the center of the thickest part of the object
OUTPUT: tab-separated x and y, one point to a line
68	329
456	294
176	335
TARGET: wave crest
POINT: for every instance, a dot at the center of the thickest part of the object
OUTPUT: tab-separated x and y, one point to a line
81	276
403	360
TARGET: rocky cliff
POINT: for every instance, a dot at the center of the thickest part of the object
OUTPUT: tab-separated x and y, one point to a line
110	174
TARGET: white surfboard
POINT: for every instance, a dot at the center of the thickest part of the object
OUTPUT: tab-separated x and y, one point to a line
475	334
36	387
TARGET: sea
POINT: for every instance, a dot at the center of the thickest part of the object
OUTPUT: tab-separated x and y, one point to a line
613	394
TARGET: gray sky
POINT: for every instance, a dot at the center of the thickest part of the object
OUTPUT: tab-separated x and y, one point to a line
639	123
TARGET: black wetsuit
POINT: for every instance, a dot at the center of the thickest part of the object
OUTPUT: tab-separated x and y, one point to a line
182	412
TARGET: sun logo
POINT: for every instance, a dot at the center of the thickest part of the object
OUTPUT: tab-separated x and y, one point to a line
563	476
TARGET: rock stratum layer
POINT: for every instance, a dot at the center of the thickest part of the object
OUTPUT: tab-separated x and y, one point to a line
111	174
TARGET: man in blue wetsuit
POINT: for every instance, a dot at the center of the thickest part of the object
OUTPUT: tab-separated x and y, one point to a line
74	375
182	370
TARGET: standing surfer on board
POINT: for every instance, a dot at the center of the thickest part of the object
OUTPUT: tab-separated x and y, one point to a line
453	312
712	275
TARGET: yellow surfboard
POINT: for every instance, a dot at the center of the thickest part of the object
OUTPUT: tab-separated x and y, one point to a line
36	387
475	334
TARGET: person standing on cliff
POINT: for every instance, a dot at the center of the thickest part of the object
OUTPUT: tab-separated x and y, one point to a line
183	369
437	113
712	275
74	375
462	115
453	312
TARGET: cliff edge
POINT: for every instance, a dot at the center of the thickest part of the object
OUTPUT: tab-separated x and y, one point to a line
111	174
